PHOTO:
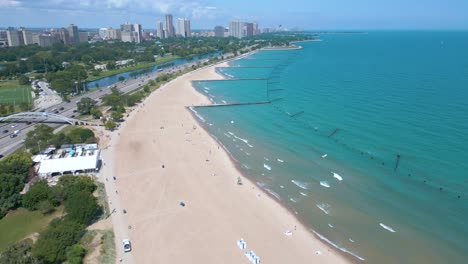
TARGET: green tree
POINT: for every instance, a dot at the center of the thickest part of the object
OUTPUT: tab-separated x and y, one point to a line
60	139
17	164
96	113
80	135
23	80
70	184
75	254
116	116
111	65
85	105
19	253
81	207
110	125
39	138
10	186
45	207
121	78
39	192
52	244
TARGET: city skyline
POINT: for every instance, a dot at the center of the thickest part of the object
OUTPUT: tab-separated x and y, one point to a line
205	14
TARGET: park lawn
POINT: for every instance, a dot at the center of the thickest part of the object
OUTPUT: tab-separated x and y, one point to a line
139	66
20	223
11	92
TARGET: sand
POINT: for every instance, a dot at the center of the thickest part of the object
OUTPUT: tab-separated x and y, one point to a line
217	212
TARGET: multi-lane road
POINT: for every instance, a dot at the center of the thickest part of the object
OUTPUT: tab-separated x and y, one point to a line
9	144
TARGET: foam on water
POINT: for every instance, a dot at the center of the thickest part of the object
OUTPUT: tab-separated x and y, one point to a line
324	207
197	115
337	176
280	160
303	194
343	249
302	185
266	166
292	200
325	184
330	225
387	228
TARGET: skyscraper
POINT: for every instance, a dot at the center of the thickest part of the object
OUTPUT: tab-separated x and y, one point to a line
183	28
249	29
169	26
138	35
236	29
159	30
187	29
219	31
73	34
64	36
14	37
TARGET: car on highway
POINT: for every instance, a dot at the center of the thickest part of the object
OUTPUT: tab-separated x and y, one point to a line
5	131
56	112
61	108
127	245
1	156
13	135
16	132
14	125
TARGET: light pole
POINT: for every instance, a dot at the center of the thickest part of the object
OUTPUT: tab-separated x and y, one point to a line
76	87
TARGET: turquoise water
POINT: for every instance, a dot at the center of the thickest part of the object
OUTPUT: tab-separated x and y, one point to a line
327	145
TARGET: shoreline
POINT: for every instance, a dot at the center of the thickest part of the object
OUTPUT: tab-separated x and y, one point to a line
129	186
349	255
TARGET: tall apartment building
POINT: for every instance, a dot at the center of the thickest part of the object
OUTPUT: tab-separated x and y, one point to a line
219	31
73	34
83	36
169	26
159	30
127	32
256	30
64	36
27	36
183	28
236	29
113	33
14	37
249	29
138	33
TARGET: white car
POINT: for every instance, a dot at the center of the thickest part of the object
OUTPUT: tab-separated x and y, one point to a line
14	125
127	245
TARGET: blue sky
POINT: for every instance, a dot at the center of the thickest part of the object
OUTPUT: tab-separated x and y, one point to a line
205	14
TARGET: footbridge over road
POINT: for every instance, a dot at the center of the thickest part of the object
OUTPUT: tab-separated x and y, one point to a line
45	117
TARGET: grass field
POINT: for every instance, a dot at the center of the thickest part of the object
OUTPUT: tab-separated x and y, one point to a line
13	93
21	223
139	66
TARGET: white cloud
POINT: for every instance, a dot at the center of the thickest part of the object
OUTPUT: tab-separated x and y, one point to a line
9	3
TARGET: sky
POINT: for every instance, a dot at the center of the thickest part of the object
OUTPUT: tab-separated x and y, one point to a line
205	14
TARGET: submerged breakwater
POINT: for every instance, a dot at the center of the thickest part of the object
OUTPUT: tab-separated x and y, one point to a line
364	136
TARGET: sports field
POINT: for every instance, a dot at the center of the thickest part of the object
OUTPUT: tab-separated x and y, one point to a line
13	93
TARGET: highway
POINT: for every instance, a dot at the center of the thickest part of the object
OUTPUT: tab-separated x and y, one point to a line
8	145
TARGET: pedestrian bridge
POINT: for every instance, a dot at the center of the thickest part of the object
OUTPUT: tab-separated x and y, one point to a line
45	117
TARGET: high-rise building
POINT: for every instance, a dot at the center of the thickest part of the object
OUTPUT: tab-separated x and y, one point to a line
27	36
73	34
64	36
236	29
138	33
113	33
187	28
219	31
169	26
127	33
159	30
183	27
14	37
256	30
249	29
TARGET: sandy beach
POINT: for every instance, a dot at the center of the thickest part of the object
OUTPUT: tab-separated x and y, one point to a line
161	157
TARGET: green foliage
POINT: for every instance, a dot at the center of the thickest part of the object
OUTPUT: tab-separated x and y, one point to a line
96	113
17	163
39	192
110	125
81	207
10	186
117	116
121	78
85	105
45	207
75	254
39	138
19	253
71	184
80	135
23	80
52	245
